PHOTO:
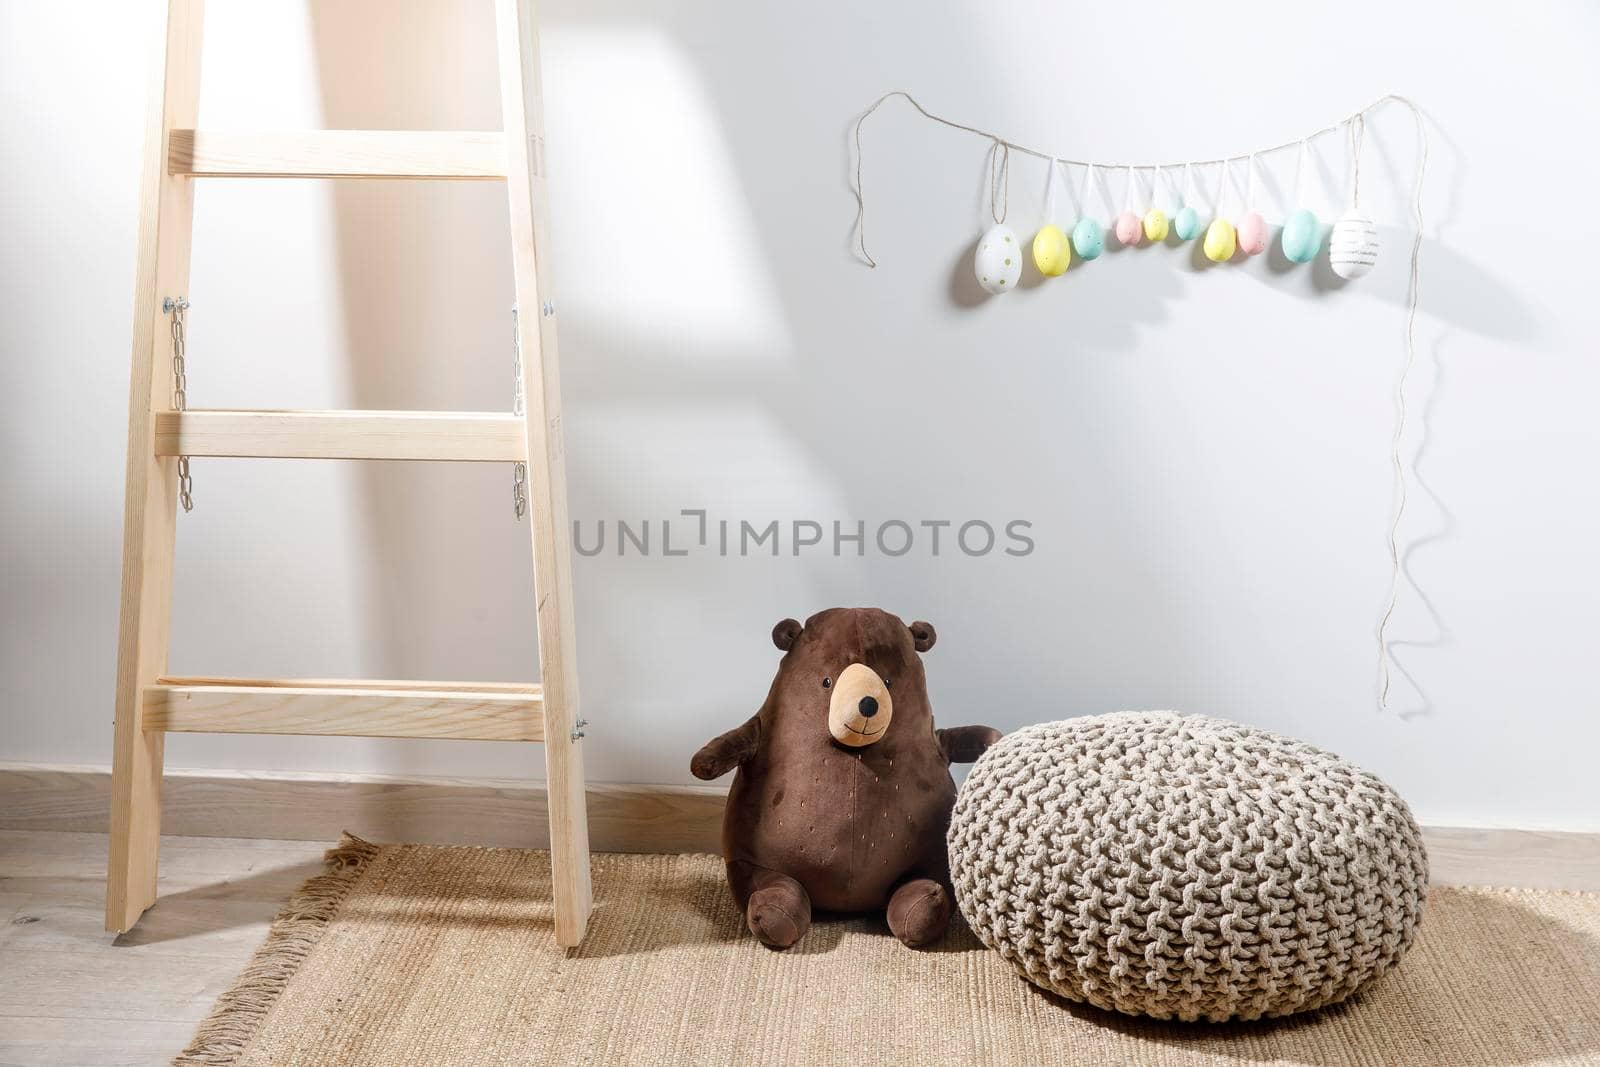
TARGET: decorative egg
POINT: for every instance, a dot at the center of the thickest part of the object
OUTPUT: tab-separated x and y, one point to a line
1187	224
1051	252
998	263
1155	225
1353	244
1127	229
1220	241
1302	237
1088	238
1253	234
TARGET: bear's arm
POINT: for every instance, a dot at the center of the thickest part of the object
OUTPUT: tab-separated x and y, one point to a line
722	754
963	744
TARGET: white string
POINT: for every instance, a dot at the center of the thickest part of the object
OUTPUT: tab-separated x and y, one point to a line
1155	187
1385	657
1225	171
1188	183
1250	187
1088	188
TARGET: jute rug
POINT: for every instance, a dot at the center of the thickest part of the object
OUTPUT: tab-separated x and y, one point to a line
414	954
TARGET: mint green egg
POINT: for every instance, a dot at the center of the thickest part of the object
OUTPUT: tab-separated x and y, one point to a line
1187	224
1088	238
1302	237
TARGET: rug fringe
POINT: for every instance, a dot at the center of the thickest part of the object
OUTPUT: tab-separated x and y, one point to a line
239	1012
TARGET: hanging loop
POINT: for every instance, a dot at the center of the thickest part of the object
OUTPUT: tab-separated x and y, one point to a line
1358	134
1050	193
1302	159
999	181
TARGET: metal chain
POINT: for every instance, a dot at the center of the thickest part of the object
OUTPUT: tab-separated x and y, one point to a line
519	471
180	387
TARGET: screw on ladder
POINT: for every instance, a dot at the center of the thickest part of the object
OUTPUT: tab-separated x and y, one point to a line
180	387
519	471
577	729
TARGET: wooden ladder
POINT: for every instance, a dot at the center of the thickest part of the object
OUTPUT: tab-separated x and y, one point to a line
149	702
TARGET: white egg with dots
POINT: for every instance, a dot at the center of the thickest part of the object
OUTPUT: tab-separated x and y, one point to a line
998	262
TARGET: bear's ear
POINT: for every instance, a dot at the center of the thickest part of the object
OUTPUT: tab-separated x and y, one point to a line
784	634
922	634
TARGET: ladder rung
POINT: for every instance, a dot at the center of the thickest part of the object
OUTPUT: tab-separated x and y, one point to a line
422	154
365	683
355	708
481	436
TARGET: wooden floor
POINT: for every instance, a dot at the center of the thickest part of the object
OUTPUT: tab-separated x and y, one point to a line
72	994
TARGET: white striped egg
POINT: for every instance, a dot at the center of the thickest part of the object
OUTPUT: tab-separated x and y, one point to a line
1353	245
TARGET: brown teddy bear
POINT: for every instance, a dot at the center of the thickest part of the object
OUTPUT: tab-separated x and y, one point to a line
843	791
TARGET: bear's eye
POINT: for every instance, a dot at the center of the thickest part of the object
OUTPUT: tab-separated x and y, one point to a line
827	683
887	682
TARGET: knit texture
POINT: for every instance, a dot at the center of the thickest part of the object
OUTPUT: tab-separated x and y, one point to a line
1184	867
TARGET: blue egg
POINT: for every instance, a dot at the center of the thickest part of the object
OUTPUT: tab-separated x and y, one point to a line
1088	238
1302	237
1187	224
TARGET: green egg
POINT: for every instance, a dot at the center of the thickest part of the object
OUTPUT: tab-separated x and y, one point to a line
1186	224
1088	238
1302	237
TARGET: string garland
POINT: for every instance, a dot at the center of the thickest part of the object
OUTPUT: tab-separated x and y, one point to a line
1352	246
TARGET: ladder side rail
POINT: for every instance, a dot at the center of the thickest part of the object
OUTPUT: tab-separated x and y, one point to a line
166	215
522	112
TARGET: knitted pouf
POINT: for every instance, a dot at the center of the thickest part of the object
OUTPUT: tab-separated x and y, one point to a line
1184	867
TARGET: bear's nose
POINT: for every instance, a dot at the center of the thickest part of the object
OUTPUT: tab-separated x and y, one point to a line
869	706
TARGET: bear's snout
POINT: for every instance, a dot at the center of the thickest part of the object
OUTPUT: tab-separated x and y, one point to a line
859	709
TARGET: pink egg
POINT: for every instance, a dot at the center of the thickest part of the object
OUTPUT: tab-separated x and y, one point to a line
1128	228
1253	234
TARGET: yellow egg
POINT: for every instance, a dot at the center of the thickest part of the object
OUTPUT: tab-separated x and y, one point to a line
1220	241
1051	252
1155	225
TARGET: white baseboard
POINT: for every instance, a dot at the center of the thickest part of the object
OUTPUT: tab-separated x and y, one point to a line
631	818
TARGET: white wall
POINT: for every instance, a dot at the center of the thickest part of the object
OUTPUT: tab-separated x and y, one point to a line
1202	452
